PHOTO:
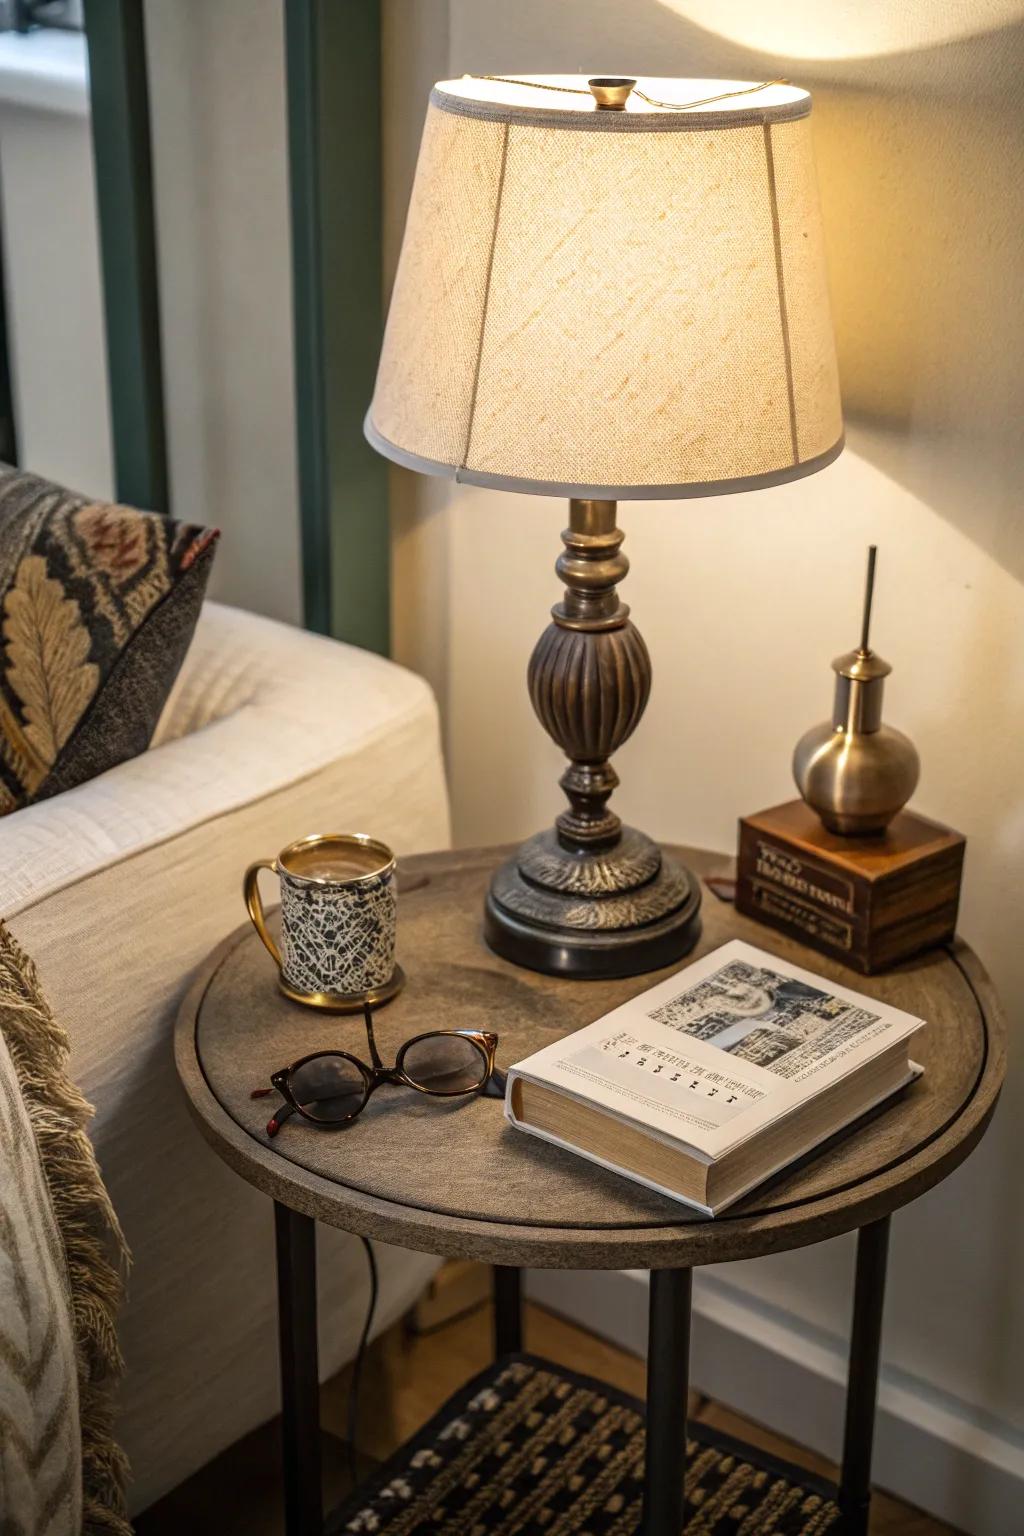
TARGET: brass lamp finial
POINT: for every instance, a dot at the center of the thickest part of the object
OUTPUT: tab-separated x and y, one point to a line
610	92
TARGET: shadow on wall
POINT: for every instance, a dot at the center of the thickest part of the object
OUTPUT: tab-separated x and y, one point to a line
921	164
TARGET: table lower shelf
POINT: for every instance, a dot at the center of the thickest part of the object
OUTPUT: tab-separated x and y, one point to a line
532	1447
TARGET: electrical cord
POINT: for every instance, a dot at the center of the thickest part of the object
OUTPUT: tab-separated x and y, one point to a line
357	1367
496	1086
457	1317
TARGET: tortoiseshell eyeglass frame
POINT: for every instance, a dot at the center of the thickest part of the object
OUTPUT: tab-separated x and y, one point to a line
376	1073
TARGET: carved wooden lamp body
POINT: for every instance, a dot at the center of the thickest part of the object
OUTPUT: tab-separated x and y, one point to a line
607	290
591	896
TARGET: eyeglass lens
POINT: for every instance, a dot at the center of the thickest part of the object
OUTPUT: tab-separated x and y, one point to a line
445	1064
329	1088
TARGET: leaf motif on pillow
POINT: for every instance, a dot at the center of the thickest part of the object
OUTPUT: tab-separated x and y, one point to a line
18	754
47	665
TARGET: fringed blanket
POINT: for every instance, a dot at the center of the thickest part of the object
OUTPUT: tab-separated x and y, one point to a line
62	1258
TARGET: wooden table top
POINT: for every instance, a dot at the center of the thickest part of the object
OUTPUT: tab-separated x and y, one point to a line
455	1179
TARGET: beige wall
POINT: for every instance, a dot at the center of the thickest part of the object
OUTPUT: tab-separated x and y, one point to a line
743	600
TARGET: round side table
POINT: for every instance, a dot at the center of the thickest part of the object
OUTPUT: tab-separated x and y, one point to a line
454	1179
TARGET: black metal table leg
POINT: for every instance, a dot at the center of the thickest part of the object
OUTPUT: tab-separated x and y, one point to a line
862	1377
300	1386
668	1387
508	1310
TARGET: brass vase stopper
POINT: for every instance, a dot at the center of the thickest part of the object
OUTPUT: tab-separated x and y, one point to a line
855	772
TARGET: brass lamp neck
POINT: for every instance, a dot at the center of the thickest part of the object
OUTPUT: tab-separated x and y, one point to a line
591	566
590	516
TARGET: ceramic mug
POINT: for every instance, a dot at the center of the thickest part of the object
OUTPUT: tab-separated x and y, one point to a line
338	918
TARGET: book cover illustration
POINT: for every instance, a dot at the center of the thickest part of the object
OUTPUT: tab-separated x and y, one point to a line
761	1015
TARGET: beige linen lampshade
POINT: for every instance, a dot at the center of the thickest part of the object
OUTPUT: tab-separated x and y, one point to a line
615	304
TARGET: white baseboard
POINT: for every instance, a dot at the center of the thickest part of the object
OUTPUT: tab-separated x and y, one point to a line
932	1450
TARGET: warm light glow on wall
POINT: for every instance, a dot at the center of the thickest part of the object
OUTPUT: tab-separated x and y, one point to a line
846	29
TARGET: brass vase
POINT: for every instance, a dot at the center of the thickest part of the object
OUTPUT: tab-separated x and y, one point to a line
853	770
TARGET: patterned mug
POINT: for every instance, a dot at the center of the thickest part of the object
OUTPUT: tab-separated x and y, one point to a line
338	916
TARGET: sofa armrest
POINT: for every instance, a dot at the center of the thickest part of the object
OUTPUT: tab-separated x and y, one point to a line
118	890
258	706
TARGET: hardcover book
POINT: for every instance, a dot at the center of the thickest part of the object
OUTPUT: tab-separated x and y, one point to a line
716	1079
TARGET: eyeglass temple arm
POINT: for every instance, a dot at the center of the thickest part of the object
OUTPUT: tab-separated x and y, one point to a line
374	1053
281	1113
279	1116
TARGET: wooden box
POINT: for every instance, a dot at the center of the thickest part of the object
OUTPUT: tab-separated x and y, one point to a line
867	901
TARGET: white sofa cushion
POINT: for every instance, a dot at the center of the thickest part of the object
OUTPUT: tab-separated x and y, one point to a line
118	889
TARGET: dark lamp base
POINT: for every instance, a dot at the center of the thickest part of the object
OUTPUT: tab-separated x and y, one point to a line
620	912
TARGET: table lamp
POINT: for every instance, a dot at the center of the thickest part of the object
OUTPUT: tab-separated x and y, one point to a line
608	289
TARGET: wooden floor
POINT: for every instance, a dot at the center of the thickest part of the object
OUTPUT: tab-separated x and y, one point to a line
406	1378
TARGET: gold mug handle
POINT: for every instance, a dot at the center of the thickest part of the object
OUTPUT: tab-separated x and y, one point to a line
254	905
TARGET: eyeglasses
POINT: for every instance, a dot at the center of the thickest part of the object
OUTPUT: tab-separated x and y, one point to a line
333	1087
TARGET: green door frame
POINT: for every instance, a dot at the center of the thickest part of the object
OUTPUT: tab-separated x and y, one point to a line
119	92
332	53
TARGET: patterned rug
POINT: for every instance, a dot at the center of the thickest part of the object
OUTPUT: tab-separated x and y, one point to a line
532	1449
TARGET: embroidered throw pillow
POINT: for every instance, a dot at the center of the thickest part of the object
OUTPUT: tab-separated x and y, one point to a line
98	604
